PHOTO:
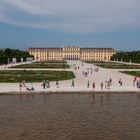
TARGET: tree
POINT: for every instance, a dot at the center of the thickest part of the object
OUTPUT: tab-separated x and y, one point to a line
126	56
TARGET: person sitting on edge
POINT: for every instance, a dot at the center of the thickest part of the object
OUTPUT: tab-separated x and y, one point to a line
30	89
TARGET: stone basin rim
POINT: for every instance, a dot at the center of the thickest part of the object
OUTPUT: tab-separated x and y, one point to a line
67	92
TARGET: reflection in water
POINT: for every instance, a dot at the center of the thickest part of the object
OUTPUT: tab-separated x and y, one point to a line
93	98
108	98
44	98
138	95
101	100
70	117
21	97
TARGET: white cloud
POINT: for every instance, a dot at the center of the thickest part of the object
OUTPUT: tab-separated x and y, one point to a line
73	15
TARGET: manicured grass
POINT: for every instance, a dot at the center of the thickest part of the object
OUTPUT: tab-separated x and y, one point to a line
133	73
43	65
13	76
114	65
51	61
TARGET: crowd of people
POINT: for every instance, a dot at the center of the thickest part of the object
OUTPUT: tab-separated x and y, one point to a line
104	84
87	72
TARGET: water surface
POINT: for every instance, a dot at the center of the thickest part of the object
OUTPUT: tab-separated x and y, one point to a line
70	117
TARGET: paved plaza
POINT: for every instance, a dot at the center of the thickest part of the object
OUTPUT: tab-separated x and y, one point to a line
80	82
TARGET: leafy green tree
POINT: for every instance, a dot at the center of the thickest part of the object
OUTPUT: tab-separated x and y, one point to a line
11	53
134	56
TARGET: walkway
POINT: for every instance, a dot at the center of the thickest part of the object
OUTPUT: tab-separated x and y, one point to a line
80	81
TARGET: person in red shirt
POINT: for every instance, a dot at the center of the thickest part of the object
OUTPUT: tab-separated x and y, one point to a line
134	80
93	85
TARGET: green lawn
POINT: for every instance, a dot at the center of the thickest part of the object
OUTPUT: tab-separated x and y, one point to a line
114	65
51	61
43	65
133	73
34	76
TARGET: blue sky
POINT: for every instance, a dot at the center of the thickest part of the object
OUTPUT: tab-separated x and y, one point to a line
55	23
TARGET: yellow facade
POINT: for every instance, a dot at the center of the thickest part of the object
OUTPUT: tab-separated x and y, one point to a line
72	53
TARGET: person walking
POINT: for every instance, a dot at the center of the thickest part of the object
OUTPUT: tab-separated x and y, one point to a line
20	86
88	84
23	83
137	83
57	84
110	81
102	85
44	84
32	87
93	85
72	85
120	82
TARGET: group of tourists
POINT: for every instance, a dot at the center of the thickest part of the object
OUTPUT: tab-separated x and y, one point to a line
85	74
96	69
106	84
22	85
77	67
46	84
89	71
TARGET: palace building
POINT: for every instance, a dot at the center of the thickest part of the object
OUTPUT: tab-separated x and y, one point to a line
72	53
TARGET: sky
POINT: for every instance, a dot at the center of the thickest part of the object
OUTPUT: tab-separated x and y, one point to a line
56	23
